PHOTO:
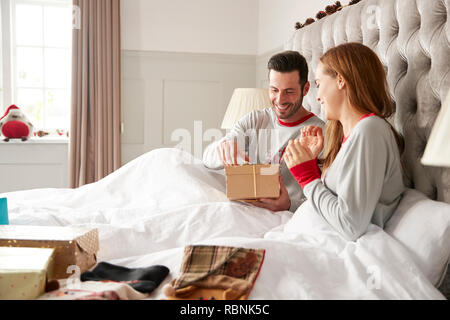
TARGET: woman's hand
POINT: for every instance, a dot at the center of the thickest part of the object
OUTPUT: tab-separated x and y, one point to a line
296	154
312	138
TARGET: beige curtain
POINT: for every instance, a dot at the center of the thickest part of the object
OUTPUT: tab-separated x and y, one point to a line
95	142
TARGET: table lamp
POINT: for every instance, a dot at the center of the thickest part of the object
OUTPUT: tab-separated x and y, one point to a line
437	151
244	101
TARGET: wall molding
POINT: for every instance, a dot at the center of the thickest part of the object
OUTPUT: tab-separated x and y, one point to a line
191	56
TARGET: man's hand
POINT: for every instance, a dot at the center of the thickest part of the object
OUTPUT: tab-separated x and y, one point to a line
281	204
296	154
230	155
312	138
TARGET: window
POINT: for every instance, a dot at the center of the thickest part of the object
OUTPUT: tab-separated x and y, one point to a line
1	63
36	60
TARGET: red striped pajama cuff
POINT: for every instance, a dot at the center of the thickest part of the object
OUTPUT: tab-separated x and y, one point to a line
306	172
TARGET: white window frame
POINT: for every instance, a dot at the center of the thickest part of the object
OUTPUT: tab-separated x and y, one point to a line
9	52
6	54
1	60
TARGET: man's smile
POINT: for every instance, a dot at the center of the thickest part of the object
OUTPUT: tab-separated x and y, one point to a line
283	108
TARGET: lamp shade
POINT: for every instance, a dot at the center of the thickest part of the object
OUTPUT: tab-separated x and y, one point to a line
437	152
244	101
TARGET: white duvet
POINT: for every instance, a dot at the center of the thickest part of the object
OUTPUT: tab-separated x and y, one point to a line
151	208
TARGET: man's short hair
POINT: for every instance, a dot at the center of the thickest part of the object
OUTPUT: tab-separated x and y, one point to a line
289	61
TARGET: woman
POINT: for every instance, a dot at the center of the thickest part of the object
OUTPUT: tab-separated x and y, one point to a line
362	179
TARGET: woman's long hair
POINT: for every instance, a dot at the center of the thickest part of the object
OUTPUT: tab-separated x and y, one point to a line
367	91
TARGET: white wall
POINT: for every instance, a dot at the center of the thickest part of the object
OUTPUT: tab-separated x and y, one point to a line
200	26
182	60
277	25
253	27
168	93
277	18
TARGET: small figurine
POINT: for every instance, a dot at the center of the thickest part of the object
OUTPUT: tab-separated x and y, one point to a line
15	125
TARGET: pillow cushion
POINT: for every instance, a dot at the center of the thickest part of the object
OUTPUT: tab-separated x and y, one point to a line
423	227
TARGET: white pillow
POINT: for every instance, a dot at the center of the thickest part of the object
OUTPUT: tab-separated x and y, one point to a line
423	226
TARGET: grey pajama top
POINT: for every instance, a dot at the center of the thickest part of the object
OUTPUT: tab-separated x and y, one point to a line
364	184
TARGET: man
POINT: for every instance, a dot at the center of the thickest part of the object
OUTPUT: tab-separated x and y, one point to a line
268	131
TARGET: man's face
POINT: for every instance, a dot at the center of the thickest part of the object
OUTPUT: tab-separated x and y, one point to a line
285	93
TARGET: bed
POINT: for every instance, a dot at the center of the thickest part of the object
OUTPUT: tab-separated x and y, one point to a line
150	209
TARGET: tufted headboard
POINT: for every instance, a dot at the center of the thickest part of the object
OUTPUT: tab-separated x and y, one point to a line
412	39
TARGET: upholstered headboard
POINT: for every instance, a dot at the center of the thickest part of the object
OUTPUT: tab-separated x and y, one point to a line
412	39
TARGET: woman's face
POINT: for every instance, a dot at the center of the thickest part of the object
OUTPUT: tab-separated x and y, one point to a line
329	93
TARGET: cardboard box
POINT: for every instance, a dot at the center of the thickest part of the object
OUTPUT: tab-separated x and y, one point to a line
73	246
23	272
251	182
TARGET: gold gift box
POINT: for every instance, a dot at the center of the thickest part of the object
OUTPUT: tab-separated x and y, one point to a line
73	246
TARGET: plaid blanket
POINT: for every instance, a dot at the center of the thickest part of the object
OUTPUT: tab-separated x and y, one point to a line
219	266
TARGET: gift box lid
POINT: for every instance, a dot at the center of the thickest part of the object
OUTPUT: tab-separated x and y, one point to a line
24	259
24	272
249	169
86	238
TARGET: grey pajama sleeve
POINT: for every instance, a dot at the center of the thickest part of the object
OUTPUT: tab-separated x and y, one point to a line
211	159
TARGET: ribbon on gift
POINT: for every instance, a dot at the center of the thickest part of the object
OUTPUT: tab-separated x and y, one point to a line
254	181
254	178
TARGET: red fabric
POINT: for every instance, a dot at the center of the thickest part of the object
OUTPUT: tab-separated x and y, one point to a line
306	172
7	110
294	124
366	116
363	117
15	130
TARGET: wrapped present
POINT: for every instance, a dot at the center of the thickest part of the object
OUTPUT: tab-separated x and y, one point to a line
251	182
75	248
23	272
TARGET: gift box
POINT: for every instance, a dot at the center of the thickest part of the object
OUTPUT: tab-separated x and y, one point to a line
250	182
23	272
75	248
